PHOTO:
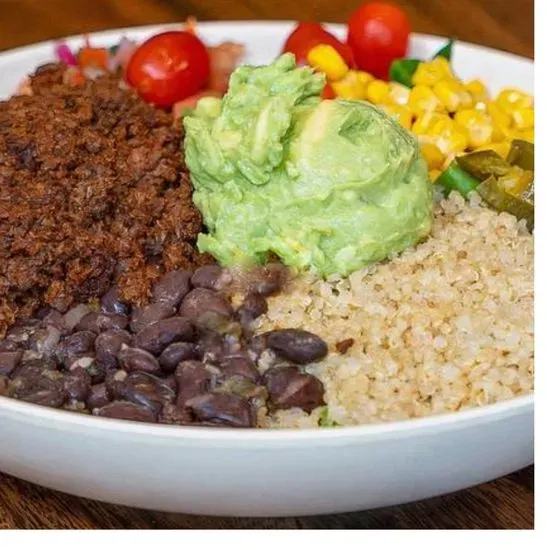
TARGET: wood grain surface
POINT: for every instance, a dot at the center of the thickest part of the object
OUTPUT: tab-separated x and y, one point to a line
507	503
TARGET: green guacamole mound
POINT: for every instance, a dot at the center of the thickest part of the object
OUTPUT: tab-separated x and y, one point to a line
328	186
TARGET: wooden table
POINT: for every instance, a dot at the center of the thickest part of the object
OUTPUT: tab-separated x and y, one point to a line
507	503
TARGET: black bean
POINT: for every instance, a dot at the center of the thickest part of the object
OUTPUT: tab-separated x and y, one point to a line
155	338
147	315
98	397
239	365
288	387
114	380
126	411
108	345
21	333
174	414
9	361
147	391
223	409
211	347
74	315
206	309
173	354
111	303
269	279
92	365
253	306
193	378
56	319
34	367
45	340
135	360
99	322
6	387
77	384
171	382
8	345
172	288
40	390
78	343
299	346
207	276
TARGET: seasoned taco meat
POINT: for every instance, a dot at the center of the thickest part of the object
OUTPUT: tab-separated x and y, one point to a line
92	189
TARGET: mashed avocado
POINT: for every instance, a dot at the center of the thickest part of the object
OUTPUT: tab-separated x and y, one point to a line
325	185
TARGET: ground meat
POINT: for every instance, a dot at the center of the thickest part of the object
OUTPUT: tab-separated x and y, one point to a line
92	189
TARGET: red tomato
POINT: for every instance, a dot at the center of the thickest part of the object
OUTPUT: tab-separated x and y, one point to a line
308	34
378	34
169	67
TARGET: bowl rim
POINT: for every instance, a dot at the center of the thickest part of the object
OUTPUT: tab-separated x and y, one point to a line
68	420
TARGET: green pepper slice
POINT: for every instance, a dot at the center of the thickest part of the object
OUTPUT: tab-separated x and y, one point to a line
483	164
402	70
499	199
521	154
445	51
454	178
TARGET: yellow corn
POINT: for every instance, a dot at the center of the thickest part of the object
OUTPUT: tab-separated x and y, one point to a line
478	126
422	98
511	99
352	86
398	93
326	59
526	135
432	155
501	148
429	73
501	121
378	92
452	95
477	90
401	113
523	119
425	121
450	140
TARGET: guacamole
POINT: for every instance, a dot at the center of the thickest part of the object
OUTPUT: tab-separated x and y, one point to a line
328	186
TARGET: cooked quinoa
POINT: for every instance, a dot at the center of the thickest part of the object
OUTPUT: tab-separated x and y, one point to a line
445	326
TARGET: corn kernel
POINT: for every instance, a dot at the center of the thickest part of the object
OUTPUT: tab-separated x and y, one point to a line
422	98
478	126
477	90
378	92
398	93
326	59
511	99
449	94
452	141
501	121
352	86
425	121
526	135
429	73
432	155
401	113
523	119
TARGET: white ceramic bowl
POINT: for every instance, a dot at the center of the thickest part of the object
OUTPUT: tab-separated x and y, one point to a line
260	472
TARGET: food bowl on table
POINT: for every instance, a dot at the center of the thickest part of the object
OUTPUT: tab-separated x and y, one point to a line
268	472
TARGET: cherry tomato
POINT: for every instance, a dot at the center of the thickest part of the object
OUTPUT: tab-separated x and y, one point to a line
378	34
169	67
308	34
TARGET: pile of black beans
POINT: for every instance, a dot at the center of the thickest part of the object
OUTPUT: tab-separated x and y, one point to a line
187	358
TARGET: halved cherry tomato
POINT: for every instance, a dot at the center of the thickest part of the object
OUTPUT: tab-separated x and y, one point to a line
308	34
378	34
169	67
